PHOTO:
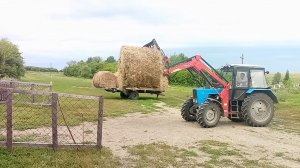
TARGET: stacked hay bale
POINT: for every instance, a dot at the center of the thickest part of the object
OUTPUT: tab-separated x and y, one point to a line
105	79
141	68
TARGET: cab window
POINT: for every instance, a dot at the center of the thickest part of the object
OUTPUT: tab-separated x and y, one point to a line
242	79
258	79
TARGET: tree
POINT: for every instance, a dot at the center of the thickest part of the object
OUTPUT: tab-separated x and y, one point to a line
11	61
276	78
94	59
86	71
287	75
183	77
177	58
110	59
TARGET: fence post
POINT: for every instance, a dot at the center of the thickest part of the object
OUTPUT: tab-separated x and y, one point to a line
32	89
50	87
50	90
11	84
54	120
9	111
100	122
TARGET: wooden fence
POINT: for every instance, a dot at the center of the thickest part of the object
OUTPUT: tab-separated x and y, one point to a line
67	121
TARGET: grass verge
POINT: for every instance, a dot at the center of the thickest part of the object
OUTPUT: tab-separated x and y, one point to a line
29	157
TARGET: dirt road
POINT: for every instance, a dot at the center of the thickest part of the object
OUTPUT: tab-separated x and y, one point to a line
167	126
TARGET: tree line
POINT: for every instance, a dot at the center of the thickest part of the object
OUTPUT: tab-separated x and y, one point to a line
88	68
40	69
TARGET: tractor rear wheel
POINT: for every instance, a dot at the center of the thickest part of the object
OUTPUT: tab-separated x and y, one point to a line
188	110
208	114
258	110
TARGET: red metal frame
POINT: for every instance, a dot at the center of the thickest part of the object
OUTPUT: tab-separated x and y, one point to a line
198	65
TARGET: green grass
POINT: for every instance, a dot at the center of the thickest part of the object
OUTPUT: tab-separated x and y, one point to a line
31	158
160	155
220	151
284	156
216	150
287	115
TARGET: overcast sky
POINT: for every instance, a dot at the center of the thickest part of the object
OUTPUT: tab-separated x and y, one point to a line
53	32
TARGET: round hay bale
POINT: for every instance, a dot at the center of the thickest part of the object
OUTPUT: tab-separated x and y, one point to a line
164	83
140	67
105	79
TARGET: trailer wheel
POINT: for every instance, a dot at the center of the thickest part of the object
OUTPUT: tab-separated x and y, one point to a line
123	95
133	95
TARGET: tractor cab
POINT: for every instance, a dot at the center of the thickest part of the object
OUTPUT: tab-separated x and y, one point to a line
244	78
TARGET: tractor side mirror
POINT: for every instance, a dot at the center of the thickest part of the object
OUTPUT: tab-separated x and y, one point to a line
267	72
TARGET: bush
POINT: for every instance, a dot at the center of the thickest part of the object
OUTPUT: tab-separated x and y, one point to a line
184	78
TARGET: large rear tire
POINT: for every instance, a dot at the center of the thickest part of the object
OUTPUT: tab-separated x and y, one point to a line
188	110
258	110
208	114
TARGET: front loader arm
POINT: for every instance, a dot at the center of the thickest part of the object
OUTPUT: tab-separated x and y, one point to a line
197	64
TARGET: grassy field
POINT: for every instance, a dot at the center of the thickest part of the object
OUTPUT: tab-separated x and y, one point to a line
114	106
287	118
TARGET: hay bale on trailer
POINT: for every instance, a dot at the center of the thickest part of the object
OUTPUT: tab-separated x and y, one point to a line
105	79
141	68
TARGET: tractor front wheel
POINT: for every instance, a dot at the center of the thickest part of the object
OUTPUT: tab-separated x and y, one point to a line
188	110
208	114
258	110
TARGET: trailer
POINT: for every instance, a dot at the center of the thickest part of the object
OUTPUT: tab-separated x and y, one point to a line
133	93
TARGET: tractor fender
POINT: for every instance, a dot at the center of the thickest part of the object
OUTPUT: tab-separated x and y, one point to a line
268	92
218	103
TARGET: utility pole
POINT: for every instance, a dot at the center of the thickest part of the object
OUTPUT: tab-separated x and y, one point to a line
242	57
